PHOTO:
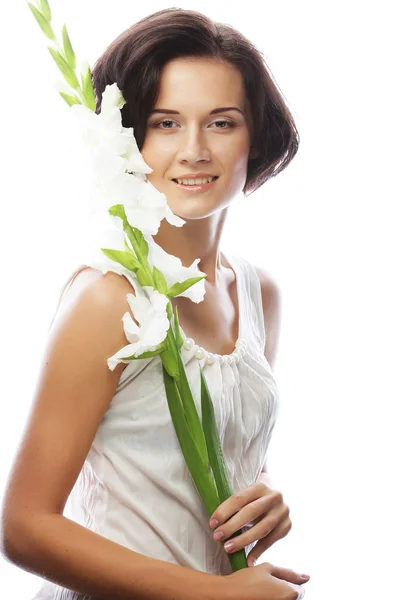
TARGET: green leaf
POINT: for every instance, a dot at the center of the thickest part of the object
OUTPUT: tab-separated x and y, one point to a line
200	475
180	287
118	210
45	9
87	88
144	355
159	281
43	23
169	311
238	559
65	69
126	259
170	356
143	277
131	237
150	354
191	413
140	243
127	246
178	336
68	50
134	235
70	100
213	442
170	364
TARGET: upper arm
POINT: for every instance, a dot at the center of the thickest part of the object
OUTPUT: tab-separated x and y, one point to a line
73	391
271	299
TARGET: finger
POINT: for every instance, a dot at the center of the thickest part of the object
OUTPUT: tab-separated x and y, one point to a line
258	512
237	501
287	574
265	540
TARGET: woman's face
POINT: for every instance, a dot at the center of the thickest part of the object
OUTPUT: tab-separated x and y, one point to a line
189	133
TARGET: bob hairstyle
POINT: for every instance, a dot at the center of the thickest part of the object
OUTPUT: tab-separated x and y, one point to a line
135	61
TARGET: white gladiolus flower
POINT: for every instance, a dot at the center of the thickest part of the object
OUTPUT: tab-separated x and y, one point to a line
106	169
134	160
151	313
174	272
145	206
104	134
150	207
102	131
112	98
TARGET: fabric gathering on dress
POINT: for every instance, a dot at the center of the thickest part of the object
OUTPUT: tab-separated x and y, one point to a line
135	488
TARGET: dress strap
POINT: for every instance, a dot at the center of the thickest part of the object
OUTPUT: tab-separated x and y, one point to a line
249	291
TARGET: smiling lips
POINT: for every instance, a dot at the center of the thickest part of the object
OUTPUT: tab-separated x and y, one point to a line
191	186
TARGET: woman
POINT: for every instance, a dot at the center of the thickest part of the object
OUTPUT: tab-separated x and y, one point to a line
211	123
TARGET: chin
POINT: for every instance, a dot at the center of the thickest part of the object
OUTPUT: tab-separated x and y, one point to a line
193	209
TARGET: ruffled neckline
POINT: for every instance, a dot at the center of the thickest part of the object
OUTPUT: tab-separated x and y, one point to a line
200	353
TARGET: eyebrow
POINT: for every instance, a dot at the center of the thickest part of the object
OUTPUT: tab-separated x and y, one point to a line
167	111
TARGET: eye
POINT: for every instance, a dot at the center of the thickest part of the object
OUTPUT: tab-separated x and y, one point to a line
228	123
165	121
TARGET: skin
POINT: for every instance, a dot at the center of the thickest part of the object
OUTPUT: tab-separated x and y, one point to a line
195	141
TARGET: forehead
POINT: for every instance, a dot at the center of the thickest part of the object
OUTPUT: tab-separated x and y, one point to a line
190	82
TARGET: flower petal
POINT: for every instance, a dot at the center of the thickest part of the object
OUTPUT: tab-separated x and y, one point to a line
112	97
172	218
174	272
115	359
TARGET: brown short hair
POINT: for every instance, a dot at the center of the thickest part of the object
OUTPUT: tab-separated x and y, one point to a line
135	59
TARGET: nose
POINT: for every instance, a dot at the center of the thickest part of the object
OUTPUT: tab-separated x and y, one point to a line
193	147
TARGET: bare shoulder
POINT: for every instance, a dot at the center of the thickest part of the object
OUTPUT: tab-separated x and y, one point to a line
272	308
101	294
269	287
106	295
109	288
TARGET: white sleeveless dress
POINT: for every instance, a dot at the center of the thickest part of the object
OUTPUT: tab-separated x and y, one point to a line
135	488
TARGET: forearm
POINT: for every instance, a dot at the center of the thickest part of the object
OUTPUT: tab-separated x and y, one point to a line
60	550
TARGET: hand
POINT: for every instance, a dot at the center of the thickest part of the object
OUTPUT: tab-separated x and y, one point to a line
261	511
264	582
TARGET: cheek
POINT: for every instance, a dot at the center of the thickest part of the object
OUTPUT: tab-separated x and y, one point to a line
233	154
237	162
155	148
237	168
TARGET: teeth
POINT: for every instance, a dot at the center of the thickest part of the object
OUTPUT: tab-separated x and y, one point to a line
198	181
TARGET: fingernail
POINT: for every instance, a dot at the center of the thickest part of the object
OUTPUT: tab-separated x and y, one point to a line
305	576
229	546
214	523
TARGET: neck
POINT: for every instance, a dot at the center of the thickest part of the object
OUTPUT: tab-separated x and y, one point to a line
197	238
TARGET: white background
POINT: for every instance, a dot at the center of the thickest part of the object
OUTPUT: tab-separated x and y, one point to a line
326	229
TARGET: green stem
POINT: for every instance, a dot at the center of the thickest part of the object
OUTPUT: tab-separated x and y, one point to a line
237	559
